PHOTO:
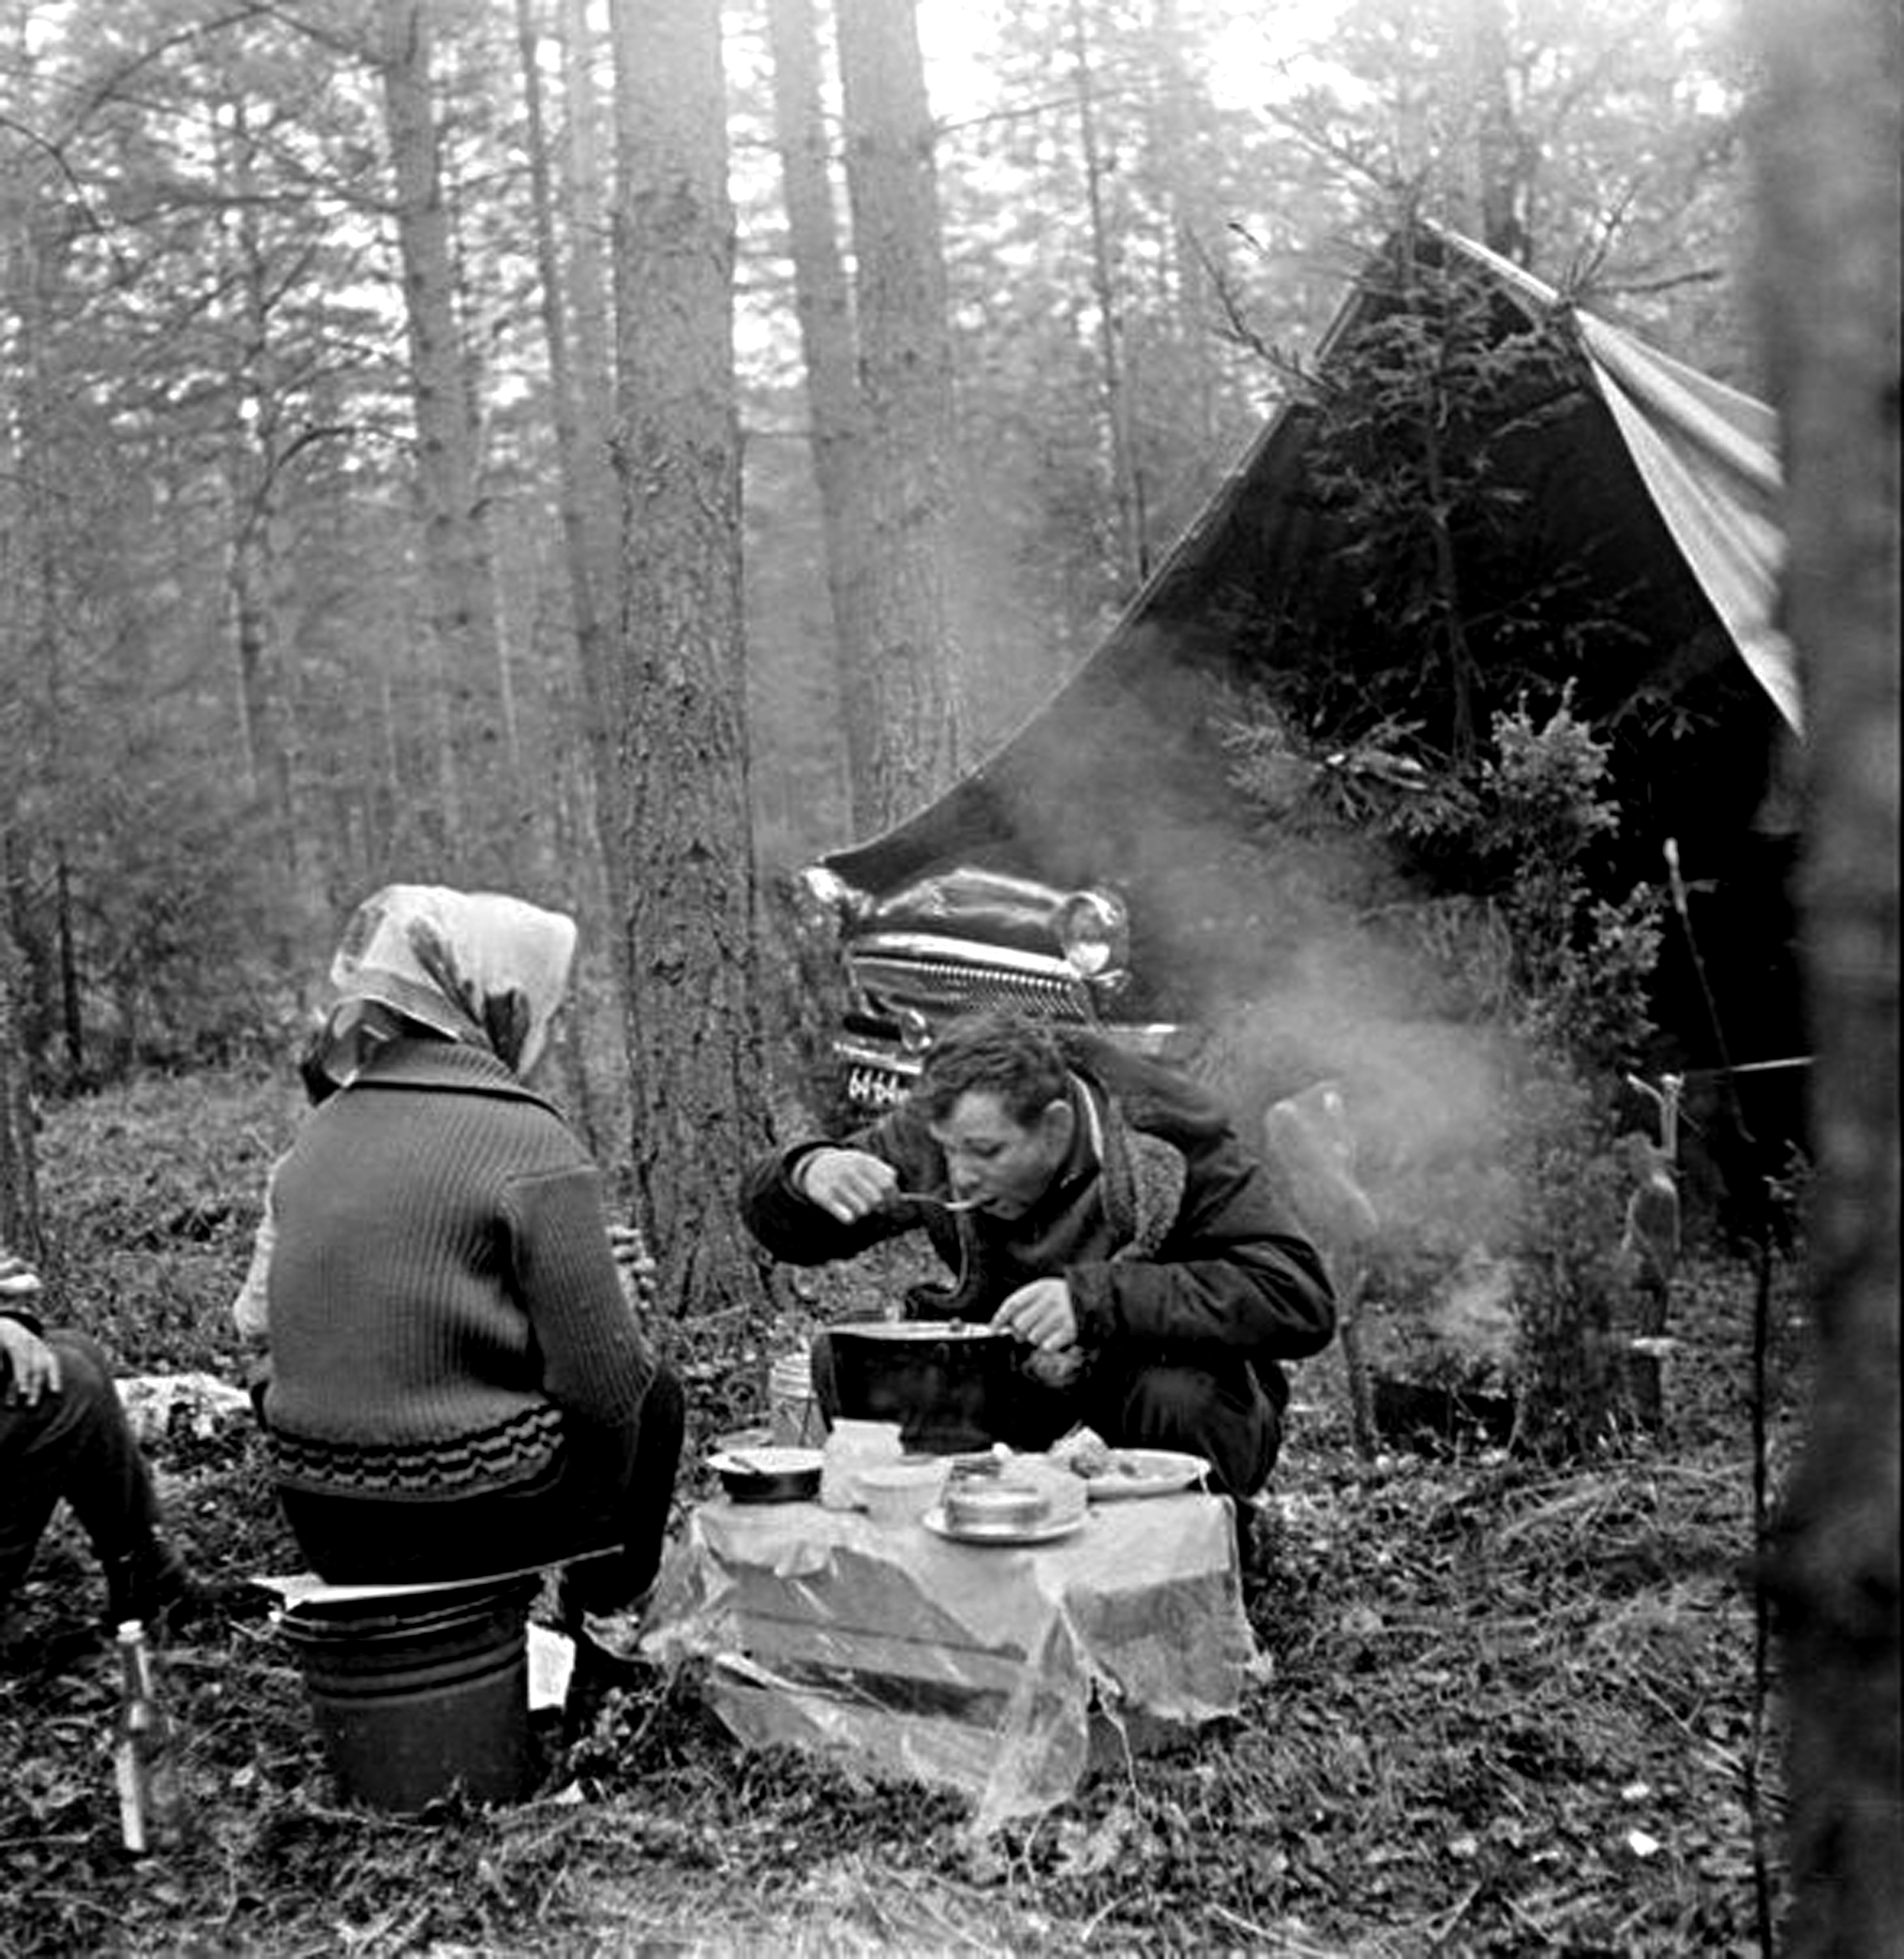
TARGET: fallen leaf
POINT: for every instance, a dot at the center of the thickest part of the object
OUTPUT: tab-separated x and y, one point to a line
1083	1853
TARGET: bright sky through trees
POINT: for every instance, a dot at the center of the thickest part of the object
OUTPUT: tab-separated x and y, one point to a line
1246	58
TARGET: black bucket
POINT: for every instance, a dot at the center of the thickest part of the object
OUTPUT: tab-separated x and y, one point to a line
415	1696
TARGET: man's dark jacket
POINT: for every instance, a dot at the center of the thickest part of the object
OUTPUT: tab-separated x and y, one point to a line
1164	1226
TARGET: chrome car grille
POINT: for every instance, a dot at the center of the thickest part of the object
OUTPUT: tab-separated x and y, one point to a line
950	987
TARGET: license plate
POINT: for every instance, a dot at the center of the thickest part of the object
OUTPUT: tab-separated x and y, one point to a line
873	1088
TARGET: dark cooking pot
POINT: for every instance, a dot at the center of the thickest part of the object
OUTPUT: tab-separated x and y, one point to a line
945	1383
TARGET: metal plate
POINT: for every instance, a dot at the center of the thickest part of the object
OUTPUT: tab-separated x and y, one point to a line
1049	1531
1153	1472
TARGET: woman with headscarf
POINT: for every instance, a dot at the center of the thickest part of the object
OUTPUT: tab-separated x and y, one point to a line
458	1386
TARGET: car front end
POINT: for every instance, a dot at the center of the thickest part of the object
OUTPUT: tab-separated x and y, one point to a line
961	940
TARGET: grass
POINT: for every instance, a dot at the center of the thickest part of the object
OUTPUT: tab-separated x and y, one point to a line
1509	1709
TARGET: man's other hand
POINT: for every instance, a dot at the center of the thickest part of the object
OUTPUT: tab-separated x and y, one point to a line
1040	1314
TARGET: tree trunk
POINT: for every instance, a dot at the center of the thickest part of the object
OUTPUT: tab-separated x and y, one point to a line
479	813
1829	145
584	485
1497	158
575	330
1195	219
255	458
47	609
19	1180
581	459
835	410
1450	627
1110	329
587	302
905	370
694	1039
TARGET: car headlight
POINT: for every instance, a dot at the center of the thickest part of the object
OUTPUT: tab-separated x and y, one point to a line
1094	932
822	898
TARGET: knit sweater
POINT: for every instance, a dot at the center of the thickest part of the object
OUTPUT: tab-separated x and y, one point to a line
445	1314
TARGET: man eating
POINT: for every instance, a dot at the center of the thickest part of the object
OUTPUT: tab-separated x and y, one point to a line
1107	1217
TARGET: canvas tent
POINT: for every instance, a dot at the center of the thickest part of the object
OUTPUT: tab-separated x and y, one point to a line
1659	485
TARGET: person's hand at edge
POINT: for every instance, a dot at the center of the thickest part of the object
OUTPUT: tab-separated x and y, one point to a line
636	1262
32	1366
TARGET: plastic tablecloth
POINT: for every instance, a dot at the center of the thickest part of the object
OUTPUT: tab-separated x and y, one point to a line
977	1668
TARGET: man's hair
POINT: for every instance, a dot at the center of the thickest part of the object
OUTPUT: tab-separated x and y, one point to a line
994	1051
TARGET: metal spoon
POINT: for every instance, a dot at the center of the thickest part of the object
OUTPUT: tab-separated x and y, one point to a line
954	1203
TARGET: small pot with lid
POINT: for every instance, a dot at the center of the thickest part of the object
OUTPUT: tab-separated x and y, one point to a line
994	1503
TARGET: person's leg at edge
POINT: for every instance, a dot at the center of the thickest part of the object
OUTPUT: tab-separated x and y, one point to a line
31	1478
77	1444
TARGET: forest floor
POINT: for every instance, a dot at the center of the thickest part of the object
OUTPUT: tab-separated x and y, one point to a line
1507	1708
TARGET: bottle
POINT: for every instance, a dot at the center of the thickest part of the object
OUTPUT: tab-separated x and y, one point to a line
146	1755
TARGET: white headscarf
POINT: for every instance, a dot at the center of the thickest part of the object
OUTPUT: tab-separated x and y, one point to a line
474	966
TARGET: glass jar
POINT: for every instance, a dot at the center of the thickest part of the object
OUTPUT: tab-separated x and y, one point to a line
851	1446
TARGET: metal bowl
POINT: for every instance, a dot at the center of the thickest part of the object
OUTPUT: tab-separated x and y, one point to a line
769	1475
